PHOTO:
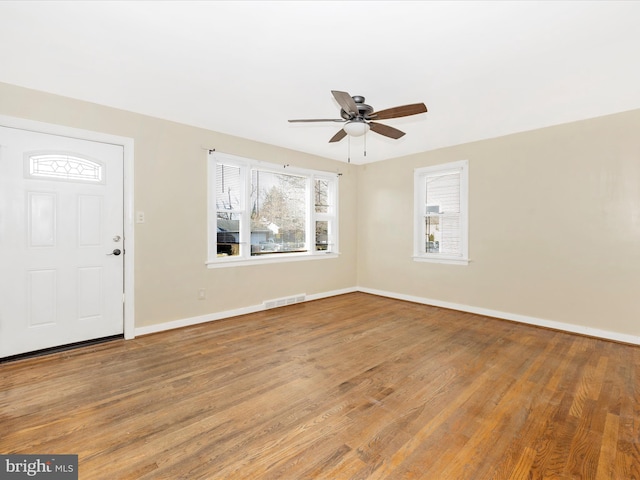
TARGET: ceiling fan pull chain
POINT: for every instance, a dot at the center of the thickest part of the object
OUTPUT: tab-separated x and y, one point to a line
365	144
349	149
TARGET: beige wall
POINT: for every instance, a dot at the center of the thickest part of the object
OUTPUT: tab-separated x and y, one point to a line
171	188
554	227
554	220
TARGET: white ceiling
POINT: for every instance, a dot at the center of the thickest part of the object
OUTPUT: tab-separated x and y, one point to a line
483	69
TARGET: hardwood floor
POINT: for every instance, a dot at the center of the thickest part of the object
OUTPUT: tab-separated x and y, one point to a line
351	387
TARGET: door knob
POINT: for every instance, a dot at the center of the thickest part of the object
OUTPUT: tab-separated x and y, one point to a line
115	252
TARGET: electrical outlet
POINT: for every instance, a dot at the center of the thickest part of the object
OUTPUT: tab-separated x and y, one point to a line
202	294
139	217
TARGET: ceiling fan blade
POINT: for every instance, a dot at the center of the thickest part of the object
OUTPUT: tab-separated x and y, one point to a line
402	111
338	136
386	130
342	120
346	102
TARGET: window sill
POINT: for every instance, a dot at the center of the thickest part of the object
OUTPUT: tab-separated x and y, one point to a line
267	259
448	260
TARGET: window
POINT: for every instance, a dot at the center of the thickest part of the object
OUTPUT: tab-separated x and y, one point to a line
441	218
263	212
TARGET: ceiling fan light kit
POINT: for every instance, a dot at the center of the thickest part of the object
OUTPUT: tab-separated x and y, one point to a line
356	128
358	117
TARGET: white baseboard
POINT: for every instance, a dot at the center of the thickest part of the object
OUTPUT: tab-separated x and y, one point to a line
539	322
332	293
186	322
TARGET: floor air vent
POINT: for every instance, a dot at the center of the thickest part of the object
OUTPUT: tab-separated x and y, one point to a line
281	302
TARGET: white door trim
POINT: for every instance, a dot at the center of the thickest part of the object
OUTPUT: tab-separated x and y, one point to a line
127	145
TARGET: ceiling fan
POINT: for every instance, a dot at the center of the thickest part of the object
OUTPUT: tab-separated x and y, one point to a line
358	117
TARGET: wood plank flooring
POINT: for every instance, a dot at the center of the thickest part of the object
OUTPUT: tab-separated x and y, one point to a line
350	387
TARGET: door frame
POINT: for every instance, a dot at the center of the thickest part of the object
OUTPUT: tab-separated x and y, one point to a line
128	196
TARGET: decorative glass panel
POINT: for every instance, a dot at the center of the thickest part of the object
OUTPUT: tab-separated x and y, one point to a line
65	167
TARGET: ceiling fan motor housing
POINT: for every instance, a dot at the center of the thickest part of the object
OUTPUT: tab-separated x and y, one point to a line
364	110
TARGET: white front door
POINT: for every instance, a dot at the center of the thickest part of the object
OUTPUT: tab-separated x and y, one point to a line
61	240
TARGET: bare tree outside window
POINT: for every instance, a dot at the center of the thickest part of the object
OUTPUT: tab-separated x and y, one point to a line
278	213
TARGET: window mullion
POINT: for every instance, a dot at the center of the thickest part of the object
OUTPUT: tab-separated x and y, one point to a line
244	213
310	227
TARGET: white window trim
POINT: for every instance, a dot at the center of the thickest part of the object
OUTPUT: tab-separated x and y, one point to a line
247	259
419	189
